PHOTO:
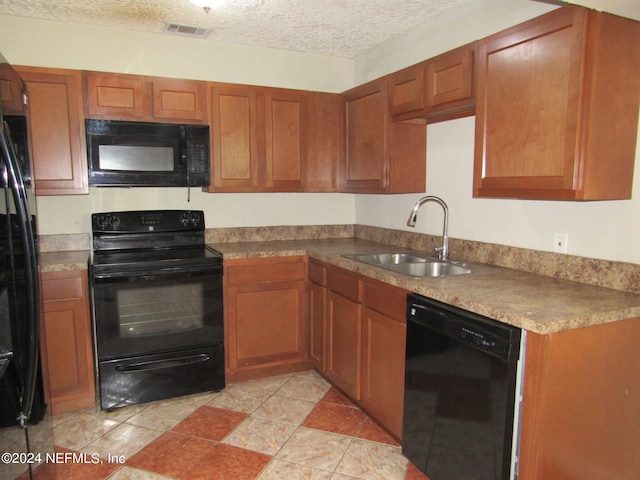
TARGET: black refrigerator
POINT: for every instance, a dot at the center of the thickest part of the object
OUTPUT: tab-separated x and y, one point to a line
26	432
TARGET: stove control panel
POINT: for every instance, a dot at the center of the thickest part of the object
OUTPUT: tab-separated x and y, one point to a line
191	218
146	221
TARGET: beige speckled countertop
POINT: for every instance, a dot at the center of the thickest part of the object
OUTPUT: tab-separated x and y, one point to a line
536	303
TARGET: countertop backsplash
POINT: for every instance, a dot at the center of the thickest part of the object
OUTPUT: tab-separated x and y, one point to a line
64	243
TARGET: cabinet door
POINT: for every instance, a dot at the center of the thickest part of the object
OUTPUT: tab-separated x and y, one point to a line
56	131
407	90
383	361
284	129
325	144
527	106
266	324
344	346
115	95
366	167
67	345
450	84
549	125
178	100
383	353
265	306
234	138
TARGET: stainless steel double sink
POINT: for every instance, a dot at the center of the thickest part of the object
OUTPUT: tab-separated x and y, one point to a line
413	264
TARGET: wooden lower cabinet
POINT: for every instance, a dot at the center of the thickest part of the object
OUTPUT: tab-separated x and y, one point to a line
580	409
265	304
67	352
357	339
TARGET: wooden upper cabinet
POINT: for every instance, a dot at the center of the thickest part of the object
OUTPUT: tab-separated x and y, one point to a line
141	98
258	138
56	130
381	156
557	108
437	89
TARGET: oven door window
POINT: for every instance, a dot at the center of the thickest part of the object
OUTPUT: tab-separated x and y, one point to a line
144	312
140	314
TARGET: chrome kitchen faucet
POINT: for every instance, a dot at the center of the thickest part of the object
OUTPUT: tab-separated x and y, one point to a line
442	250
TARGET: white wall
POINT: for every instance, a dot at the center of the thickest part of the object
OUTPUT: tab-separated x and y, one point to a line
72	214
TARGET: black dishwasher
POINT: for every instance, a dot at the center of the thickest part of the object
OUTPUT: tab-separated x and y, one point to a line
460	392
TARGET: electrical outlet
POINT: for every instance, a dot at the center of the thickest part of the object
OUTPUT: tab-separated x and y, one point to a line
560	242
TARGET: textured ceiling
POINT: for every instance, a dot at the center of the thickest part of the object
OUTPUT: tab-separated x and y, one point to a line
341	28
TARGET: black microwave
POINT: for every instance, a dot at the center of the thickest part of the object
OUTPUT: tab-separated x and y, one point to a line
138	154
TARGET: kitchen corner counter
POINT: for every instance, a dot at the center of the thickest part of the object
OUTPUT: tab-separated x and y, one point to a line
536	303
64	261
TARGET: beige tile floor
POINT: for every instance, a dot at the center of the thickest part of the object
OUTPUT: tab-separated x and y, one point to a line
286	427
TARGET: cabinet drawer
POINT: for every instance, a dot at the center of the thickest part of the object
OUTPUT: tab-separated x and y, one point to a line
265	270
344	284
386	299
56	289
317	273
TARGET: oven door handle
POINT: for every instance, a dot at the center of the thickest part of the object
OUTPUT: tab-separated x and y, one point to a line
159	364
214	270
